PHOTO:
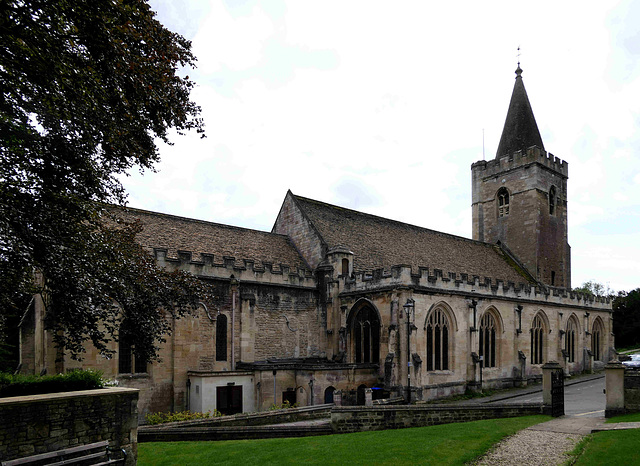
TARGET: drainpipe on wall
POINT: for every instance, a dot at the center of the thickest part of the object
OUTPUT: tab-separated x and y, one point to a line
234	290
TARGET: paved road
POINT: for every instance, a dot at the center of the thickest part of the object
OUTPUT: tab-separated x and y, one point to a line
581	399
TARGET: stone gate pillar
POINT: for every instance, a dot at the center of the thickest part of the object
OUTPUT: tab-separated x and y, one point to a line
547	370
614	388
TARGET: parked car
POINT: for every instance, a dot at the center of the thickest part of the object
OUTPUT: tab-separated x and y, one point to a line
633	362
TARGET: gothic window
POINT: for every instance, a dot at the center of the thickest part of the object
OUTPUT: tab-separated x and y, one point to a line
570	340
503	202
552	200
366	333
129	362
221	337
488	340
438	330
596	335
537	340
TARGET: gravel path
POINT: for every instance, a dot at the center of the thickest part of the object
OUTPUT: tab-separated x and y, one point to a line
531	447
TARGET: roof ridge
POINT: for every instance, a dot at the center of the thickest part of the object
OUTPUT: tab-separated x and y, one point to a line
195	220
337	207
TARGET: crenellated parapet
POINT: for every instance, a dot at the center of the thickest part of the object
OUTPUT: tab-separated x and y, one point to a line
452	282
534	154
226	267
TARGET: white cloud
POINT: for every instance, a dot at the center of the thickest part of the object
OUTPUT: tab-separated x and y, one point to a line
381	107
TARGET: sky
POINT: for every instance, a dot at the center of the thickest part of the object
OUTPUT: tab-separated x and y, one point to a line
382	107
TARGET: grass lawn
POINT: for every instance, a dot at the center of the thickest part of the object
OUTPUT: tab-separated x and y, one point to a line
631	417
611	447
444	444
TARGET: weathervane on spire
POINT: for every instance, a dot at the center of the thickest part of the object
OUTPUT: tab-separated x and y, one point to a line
518	70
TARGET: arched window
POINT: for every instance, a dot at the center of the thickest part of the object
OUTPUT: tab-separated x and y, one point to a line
366	335
438	330
503	202
570	339
596	343
552	200
221	337
537	340
488	340
328	395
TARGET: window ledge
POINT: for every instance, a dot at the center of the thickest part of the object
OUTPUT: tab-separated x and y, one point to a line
143	375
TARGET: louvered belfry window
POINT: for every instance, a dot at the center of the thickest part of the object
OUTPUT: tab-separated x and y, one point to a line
503	202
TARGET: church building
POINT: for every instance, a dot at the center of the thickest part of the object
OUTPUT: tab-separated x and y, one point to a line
336	299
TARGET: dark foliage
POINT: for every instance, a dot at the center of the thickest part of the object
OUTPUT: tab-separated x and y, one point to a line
21	385
626	319
87	86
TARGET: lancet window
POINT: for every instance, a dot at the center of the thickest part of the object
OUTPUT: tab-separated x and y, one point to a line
537	340
488	334
438	331
221	337
503	202
596	343
366	335
570	340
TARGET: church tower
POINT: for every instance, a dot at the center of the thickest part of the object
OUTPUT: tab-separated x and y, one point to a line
520	198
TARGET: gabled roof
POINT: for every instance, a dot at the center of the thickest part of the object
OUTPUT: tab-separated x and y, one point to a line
378	242
196	236
520	129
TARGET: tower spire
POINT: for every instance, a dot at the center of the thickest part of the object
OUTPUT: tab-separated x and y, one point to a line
520	129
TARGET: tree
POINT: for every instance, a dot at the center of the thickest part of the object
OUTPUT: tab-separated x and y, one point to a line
87	87
626	318
593	288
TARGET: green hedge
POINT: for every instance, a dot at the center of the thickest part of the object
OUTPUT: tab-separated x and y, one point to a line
21	385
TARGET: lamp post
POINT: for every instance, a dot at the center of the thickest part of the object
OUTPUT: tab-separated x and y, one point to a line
408	307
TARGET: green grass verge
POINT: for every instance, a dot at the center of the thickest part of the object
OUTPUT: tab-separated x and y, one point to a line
631	417
614	447
443	444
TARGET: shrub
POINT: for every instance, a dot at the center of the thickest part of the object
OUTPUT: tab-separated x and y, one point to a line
285	405
19	385
161	418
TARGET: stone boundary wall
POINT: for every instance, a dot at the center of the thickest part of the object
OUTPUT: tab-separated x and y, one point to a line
278	416
357	419
632	390
35	424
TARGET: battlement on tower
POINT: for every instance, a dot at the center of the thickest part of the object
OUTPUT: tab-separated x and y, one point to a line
533	154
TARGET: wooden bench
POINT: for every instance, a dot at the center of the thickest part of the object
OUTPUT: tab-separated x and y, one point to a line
98	453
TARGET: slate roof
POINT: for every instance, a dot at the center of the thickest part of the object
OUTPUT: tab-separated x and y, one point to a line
382	243
196	236
520	129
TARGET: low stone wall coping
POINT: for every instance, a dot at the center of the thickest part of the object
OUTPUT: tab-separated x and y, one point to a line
48	397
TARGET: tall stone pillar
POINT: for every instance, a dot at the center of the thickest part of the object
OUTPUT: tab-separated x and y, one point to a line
547	370
614	388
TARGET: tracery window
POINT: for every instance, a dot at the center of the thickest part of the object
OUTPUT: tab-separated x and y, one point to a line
488	340
552	200
570	340
537	340
221	337
503	202
596	335
366	333
438	330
